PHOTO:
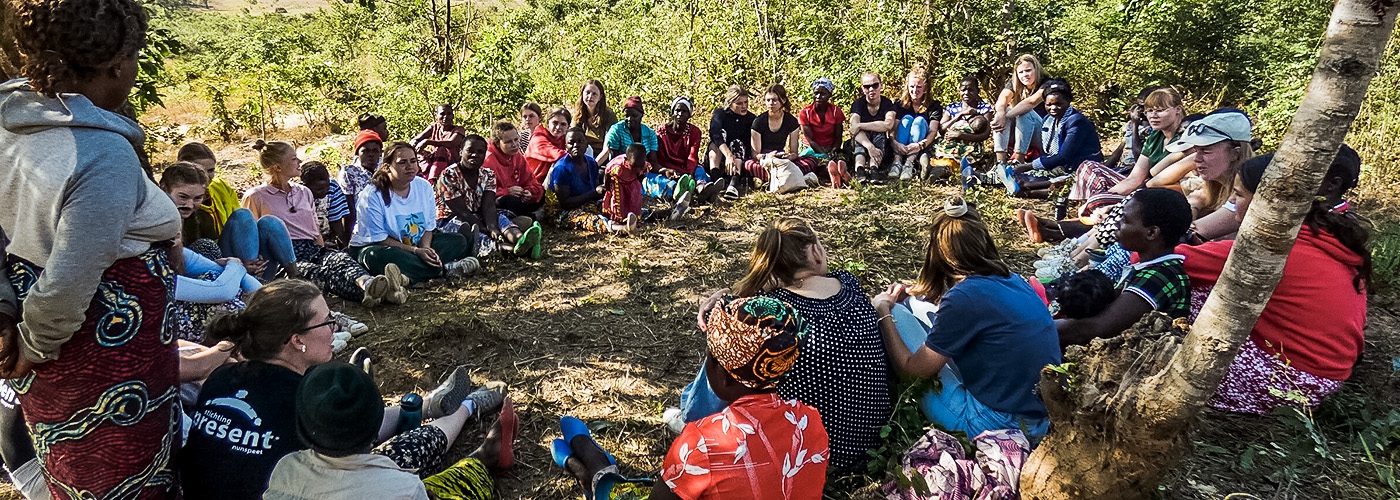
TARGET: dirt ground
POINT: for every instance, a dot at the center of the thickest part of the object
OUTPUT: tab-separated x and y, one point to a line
603	329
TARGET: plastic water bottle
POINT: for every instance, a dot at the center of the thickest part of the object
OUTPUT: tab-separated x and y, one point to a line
410	412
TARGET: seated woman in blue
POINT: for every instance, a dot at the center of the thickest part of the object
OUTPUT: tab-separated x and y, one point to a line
976	325
1067	139
577	183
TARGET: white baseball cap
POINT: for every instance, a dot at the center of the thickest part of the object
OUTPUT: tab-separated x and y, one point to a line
1227	124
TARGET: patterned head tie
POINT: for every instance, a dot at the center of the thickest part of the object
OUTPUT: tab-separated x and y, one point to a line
682	101
824	83
955	207
755	339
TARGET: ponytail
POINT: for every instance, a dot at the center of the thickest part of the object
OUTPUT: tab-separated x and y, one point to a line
275	312
1351	231
780	252
380	177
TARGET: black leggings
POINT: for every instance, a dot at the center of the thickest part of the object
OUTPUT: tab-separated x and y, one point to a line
517	206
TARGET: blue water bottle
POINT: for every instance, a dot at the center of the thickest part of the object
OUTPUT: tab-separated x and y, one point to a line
410	412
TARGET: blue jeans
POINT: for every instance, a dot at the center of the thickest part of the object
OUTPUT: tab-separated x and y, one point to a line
1027	128
698	400
248	239
912	128
196	265
953	407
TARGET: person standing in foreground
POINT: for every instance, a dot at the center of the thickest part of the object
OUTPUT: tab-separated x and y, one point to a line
94	367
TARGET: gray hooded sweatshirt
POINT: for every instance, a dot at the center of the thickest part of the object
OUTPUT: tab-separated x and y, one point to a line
73	200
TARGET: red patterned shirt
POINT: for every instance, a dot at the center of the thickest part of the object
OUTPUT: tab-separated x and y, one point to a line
761	446
452	185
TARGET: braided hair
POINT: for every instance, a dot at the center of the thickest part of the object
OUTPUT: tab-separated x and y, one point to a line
61	42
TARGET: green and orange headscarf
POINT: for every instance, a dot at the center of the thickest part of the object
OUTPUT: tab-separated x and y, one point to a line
755	339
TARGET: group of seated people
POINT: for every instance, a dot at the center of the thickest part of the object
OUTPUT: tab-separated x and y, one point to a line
800	361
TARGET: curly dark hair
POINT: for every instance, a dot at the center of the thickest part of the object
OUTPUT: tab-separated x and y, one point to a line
65	41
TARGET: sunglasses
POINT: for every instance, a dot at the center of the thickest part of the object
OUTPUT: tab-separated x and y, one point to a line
1199	128
871	86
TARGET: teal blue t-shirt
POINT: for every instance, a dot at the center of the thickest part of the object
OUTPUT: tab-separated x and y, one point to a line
999	334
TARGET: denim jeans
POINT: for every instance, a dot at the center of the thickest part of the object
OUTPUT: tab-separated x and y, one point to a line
912	128
698	400
953	406
248	239
1027	128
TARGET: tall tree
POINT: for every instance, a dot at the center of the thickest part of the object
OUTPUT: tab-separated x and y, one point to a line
1122	412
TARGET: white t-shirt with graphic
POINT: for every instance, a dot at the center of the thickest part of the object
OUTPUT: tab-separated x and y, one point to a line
405	219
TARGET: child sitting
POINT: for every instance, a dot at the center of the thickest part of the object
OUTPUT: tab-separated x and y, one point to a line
622	191
466	203
577	184
332	208
735	453
1154	220
1084	294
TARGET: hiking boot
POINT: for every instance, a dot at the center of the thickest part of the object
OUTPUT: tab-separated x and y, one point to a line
349	325
462	268
488	398
448	397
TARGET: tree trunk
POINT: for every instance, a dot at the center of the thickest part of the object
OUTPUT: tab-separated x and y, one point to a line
1124	418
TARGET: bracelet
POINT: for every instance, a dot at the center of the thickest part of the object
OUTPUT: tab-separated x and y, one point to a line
882	318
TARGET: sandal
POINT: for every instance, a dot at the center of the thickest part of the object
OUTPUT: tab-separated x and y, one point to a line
528	240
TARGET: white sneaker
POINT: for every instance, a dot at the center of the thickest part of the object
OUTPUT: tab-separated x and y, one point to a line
907	172
462	268
350	325
672	417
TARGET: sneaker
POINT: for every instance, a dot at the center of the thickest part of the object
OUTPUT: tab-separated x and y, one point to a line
339	341
672	417
633	224
682	208
907	173
448	397
376	290
528	240
1008	178
731	195
349	325
362	359
462	268
398	293
1047	274
812	180
487	399
709	191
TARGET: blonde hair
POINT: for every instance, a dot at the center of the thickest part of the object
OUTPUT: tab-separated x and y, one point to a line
1018	90
920	72
958	247
733	93
1217	192
781	250
272	153
1163	98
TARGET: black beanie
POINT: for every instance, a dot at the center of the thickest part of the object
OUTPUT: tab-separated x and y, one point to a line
338	409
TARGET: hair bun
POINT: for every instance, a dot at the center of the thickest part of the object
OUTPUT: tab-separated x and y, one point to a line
955	207
259	144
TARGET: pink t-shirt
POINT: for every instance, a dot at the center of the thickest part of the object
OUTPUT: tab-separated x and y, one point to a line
296	208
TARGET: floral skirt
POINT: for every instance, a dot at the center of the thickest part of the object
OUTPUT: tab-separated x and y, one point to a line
103	415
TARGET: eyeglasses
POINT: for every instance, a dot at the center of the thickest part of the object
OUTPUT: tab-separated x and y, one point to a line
328	322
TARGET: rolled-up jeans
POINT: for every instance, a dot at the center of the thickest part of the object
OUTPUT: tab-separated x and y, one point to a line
1027	128
248	239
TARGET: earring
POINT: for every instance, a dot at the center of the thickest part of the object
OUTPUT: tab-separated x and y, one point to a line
303	348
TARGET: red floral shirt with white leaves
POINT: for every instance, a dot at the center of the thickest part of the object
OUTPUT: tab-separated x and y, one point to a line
761	446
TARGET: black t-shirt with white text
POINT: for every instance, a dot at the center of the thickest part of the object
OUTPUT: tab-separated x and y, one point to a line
244	422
